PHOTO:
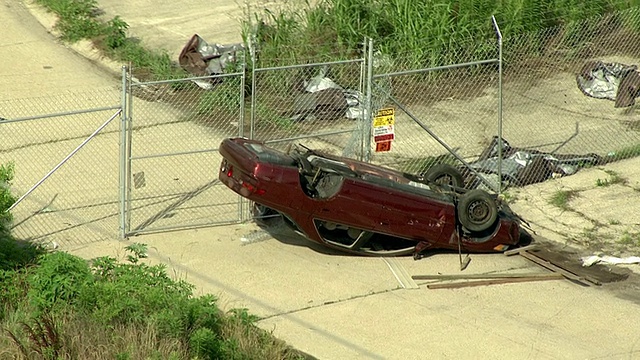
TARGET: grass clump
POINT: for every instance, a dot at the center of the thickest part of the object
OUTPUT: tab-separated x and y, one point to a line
561	198
421	33
80	19
629	238
614	178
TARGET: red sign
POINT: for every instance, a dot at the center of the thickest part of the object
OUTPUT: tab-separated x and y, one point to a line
383	146
383	138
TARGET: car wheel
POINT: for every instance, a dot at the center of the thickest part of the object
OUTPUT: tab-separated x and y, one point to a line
477	210
445	174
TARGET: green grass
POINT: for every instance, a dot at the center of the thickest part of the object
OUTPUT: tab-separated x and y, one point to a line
54	305
627	152
79	19
64	307
614	178
561	198
417	32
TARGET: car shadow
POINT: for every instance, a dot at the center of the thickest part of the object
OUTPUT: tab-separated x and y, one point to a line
276	227
279	230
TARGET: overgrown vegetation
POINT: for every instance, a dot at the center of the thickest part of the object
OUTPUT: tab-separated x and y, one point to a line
54	305
66	307
424	33
81	19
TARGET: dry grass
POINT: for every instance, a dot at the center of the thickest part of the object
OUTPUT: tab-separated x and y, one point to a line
75	337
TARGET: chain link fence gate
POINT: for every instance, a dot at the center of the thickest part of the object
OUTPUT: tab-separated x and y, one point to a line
174	132
65	151
319	104
443	114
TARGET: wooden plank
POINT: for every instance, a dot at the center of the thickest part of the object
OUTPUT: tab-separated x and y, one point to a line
480	276
517	251
463	284
546	264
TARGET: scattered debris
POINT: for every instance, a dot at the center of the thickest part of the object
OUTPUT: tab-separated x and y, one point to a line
611	260
321	98
255	236
522	166
612	81
526	253
477	276
201	59
497	281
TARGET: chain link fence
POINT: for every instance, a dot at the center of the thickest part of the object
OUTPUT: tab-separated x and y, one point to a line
318	103
176	127
65	149
445	114
552	78
563	100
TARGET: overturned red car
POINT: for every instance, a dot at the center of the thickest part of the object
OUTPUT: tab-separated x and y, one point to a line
366	209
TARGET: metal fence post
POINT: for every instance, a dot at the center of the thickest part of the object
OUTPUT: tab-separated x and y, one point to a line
252	53
368	115
499	34
123	157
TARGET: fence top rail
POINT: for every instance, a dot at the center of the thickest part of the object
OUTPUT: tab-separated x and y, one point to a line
338	62
437	68
216	76
61	114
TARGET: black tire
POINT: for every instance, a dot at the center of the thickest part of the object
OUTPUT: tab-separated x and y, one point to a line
444	174
477	210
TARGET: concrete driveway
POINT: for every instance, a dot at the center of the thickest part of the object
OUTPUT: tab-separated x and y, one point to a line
342	307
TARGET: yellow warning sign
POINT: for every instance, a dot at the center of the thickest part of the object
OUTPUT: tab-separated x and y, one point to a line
384	117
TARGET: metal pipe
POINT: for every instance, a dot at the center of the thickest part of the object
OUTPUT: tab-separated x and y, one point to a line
499	34
437	68
172	81
338	62
65	160
123	157
308	136
47	116
368	113
253	91
129	151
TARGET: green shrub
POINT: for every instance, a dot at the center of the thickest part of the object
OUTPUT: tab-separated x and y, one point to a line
116	33
59	279
6	197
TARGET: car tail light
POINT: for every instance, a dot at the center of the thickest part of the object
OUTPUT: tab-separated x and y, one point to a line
226	168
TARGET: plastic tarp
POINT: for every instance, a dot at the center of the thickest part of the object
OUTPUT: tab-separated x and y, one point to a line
522	166
613	81
202	59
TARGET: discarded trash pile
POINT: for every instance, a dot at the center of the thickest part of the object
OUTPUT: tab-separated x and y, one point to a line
522	166
317	97
612	81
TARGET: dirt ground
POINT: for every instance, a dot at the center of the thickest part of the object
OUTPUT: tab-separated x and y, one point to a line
343	307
